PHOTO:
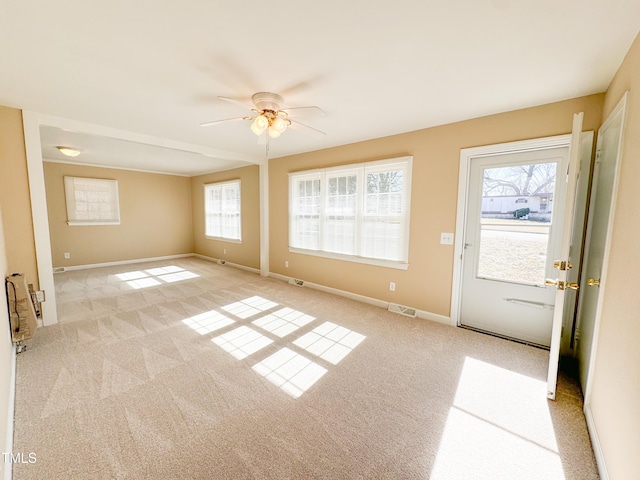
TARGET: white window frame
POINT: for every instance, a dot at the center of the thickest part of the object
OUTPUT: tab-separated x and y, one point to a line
222	186
360	170
108	195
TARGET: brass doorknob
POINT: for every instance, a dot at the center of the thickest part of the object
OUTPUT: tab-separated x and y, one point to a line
556	283
592	282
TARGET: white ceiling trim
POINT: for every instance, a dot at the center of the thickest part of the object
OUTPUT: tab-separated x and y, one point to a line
100	130
85	164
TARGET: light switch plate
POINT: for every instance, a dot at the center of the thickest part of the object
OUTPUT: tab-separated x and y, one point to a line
446	238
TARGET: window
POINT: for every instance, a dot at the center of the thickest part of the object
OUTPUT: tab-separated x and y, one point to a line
353	212
91	201
222	211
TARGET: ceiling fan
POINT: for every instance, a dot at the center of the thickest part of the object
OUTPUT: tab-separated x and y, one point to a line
269	114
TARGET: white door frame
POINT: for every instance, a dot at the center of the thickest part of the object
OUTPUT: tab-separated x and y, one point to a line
620	109
466	155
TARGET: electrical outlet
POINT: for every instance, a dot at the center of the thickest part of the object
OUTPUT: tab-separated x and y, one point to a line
392	286
446	238
40	296
224	251
286	264
67	255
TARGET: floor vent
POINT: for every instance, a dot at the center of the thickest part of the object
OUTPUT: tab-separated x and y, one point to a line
222	262
58	269
295	281
402	310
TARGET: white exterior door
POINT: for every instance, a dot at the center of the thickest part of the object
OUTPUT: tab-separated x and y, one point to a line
510	242
563	264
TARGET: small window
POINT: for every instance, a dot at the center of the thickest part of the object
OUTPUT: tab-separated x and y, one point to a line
222	211
91	201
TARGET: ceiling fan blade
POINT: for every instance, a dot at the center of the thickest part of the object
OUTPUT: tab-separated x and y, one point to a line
216	122
296	125
310	111
303	85
237	102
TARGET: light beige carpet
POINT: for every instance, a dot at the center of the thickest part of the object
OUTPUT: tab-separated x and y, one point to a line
188	369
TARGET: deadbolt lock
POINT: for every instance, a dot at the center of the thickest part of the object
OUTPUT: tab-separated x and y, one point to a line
560	285
562	265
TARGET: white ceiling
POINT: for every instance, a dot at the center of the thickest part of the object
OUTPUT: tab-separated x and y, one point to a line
156	67
100	150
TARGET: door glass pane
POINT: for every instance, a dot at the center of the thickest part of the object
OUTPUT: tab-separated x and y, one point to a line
517	206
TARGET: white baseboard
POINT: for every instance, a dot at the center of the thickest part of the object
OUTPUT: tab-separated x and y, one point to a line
595	443
434	317
364	299
8	466
336	291
122	262
230	264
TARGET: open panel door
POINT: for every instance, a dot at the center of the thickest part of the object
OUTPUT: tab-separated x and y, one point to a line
563	264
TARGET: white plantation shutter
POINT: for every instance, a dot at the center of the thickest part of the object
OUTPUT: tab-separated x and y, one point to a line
91	201
358	212
222	208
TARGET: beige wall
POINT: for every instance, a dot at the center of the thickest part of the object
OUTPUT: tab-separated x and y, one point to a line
246	253
17	247
155	217
615	384
426	285
6	358
14	196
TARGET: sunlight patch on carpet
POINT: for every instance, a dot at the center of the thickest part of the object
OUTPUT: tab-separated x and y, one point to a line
249	306
330	342
290	371
487	422
242	342
150	278
178	276
164	270
284	321
207	322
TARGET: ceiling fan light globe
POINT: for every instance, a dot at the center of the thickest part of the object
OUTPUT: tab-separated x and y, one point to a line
259	124
273	132
279	124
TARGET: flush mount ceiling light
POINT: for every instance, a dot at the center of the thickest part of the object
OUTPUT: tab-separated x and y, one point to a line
270	115
69	152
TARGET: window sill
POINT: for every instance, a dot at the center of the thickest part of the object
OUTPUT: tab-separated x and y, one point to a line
352	258
74	223
222	239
